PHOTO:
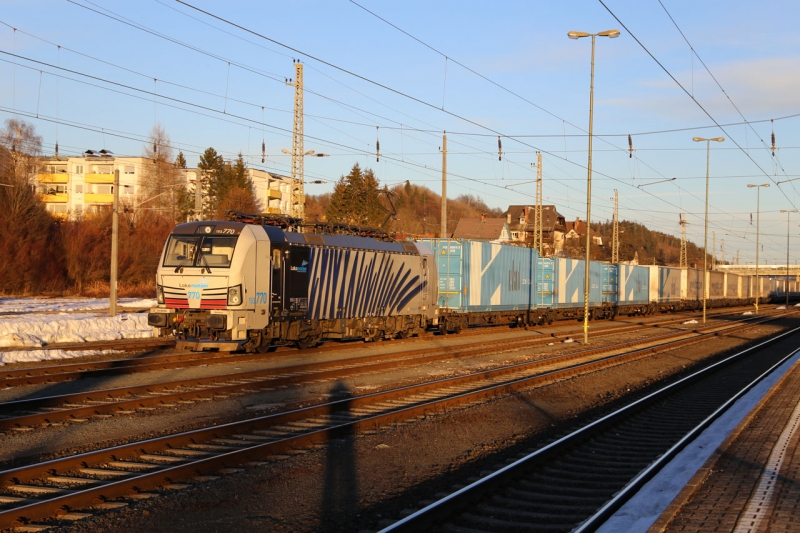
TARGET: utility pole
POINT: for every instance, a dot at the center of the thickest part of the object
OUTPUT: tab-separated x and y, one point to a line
615	231
537	216
198	195
737	257
443	233
683	261
112	301
713	248
722	249
298	172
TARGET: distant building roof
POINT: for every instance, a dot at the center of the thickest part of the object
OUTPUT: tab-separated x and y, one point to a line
482	229
551	219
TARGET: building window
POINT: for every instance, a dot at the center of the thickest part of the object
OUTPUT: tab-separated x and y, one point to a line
57	208
78	169
79	188
128	189
78	209
522	220
103	169
129	169
102	189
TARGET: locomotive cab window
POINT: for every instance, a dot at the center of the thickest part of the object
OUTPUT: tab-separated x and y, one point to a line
276	258
200	251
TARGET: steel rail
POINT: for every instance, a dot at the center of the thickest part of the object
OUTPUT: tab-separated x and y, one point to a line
238	442
459	500
74	371
123	400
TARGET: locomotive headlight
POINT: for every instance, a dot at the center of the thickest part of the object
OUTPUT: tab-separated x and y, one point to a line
235	295
160	294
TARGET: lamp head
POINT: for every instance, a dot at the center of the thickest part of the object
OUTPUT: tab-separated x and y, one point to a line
718	139
698	139
609	33
285	151
577	34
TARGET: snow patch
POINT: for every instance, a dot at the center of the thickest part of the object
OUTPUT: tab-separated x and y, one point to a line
781	307
693	321
34	330
41	305
747	313
29	356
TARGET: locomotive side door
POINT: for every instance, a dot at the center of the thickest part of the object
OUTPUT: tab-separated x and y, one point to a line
276	287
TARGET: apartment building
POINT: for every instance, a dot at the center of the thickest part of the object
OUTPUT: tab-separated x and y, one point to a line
71	187
273	191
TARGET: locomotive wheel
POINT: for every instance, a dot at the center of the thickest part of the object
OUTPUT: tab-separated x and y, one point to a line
307	342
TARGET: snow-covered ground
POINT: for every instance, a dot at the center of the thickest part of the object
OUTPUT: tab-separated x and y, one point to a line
36	322
41	305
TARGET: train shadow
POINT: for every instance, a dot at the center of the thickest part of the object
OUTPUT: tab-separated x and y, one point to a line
340	488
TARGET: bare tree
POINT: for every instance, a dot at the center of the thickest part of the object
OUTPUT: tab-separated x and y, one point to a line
163	184
20	149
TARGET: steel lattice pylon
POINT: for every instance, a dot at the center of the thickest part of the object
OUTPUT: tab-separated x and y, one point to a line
537	216
683	241
298	156
615	231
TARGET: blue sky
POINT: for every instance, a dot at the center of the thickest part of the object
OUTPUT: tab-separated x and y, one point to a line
522	46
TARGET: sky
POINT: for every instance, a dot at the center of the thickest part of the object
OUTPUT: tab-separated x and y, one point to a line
92	74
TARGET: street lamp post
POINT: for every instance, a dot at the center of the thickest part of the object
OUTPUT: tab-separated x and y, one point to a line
788	214
758	231
586	283
705	235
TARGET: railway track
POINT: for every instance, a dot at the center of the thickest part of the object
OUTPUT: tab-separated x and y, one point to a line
43	490
578	481
27	414
82	370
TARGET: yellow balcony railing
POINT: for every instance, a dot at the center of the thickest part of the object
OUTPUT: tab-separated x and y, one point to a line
57	198
98	198
60	177
98	178
274	194
274	210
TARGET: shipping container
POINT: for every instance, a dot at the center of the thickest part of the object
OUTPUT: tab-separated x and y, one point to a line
669	284
733	289
609	286
570	274
545	282
716	285
484	276
691	284
634	284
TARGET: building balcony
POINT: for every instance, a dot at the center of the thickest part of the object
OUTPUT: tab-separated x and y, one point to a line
98	178
274	210
56	198
59	177
98	198
274	194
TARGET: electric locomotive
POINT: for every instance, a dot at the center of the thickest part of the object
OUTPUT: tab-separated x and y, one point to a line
247	284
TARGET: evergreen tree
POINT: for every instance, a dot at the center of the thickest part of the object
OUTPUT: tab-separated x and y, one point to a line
355	199
214	187
180	161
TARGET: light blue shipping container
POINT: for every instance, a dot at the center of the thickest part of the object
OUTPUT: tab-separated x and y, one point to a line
610	282
545	282
669	284
634	284
570	274
484	276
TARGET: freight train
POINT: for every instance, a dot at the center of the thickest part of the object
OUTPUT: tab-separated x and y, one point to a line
252	282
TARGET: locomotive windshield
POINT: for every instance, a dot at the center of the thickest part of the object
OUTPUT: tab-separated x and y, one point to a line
200	251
